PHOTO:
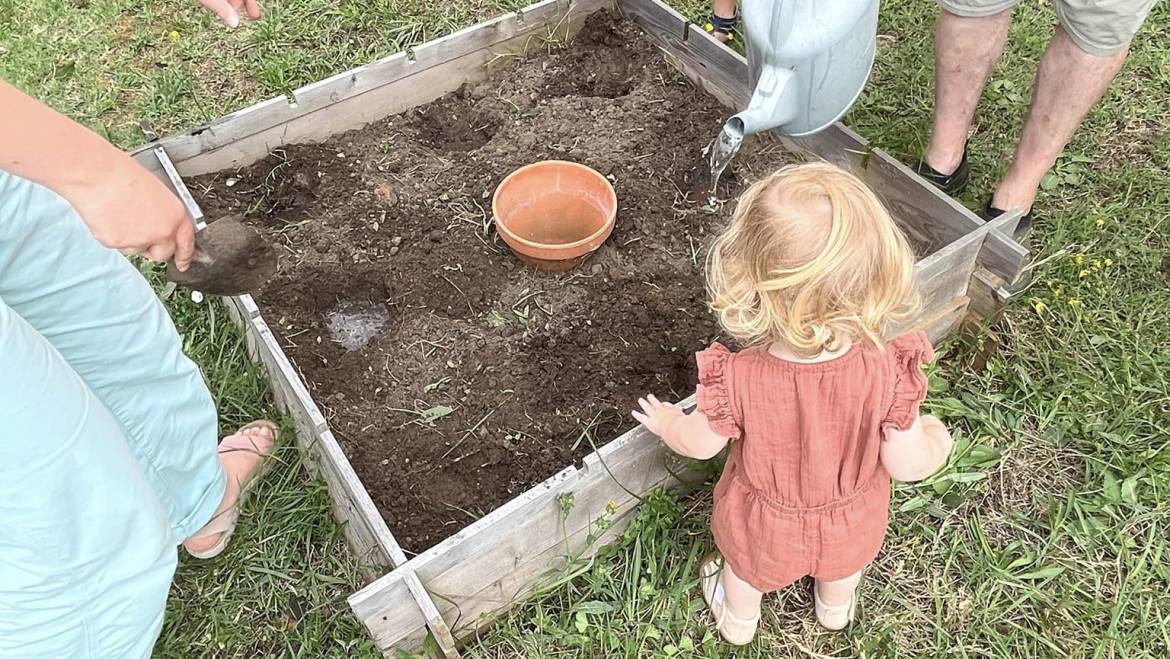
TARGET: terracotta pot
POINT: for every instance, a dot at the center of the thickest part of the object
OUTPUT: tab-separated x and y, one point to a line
554	214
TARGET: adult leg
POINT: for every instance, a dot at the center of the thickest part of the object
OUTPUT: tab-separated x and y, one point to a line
86	548
1069	82
966	49
105	321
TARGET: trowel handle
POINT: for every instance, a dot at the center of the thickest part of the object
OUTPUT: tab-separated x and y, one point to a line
181	191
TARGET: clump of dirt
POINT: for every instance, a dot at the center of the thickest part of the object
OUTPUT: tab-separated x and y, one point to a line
455	376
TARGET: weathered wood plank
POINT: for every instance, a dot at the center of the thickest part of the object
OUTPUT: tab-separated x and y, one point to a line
726	68
946	274
439	629
372	92
484	568
988	296
367	533
946	321
541	570
246	305
683	43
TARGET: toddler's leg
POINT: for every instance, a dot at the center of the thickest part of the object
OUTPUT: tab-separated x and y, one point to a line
836	601
734	604
742	600
836	593
102	317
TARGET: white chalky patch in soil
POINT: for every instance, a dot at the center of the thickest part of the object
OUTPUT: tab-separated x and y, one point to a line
354	324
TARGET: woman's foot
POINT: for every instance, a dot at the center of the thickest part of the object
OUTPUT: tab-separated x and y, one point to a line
243	456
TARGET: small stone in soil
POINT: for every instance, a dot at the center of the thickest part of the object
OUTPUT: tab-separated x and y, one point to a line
436	236
386	194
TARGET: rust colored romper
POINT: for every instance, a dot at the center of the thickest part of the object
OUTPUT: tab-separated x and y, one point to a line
804	491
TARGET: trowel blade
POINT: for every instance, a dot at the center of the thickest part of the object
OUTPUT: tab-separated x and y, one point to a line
230	259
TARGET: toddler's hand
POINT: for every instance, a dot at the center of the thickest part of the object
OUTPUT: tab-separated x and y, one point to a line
656	415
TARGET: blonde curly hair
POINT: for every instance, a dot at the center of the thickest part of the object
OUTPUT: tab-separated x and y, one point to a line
811	260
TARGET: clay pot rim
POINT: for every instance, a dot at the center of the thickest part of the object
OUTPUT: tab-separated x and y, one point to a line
606	226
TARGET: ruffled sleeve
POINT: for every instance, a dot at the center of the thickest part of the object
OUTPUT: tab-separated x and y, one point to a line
714	398
908	352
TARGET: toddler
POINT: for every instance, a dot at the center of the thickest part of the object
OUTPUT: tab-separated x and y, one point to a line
821	411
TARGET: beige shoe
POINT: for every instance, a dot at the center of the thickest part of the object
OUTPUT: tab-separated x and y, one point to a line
735	631
224	523
837	617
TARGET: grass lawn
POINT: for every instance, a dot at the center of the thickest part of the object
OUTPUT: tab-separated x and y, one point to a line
1047	534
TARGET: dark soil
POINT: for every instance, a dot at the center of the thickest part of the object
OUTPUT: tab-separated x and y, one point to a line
455	376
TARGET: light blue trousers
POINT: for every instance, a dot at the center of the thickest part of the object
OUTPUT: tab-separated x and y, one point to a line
107	440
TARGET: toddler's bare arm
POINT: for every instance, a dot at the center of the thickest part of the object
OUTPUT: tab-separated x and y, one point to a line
918	452
686	434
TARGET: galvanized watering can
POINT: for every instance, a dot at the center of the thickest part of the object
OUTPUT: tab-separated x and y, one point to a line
808	61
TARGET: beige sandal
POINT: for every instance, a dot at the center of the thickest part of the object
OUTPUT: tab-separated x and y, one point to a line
735	631
225	522
834	618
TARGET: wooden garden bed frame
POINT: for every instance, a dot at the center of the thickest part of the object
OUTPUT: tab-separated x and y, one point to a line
453	589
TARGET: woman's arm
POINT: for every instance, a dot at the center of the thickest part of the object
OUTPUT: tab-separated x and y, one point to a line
124	205
916	453
686	434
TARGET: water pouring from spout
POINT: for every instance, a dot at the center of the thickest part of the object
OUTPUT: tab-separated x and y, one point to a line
722	153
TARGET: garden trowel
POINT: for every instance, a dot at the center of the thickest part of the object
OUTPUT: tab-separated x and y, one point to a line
230	259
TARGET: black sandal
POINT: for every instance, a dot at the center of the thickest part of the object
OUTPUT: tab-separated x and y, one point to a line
954	183
719	25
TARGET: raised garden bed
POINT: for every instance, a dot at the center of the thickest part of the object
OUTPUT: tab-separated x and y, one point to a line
454	376
457	379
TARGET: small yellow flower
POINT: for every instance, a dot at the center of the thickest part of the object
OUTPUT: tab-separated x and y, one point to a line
1079	259
1083	274
174	35
1100	223
1040	307
1074	302
1108	263
1096	264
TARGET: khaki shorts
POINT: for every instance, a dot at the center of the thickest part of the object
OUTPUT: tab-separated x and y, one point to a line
1099	27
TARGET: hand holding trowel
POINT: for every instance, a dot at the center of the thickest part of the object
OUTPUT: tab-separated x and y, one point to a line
230	259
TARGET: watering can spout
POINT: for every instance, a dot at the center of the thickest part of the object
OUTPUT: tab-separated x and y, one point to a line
773	103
